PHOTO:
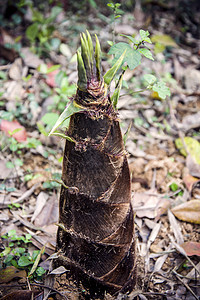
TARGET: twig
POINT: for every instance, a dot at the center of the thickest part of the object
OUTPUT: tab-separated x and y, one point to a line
185	284
26	194
36	284
50	288
182	251
5	67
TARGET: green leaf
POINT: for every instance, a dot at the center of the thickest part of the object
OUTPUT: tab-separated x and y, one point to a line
111	5
159	48
10	165
132	39
42	130
150	79
55	43
108	77
64	49
82	76
12	232
8	259
24	261
37	258
5	252
132	57
192	147
18	162
3	75
162	90
126	134
164	39
110	43
145	36
40	271
70	110
13	147
32	31
173	186
14	131
50	119
52	68
115	96
146	52
42	68
37	16
97	56
63	136
55	11
28	235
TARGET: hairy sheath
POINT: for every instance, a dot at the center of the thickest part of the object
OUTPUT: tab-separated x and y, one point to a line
95	237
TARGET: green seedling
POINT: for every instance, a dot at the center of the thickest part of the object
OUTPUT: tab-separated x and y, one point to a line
16	254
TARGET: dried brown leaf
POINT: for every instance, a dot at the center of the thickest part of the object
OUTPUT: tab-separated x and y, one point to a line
30	59
49	214
191	248
194	167
41	201
175	228
145	204
189	181
15	71
10	273
59	270
22	295
189	211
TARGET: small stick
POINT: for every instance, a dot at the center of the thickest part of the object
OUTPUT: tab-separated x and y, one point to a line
185	284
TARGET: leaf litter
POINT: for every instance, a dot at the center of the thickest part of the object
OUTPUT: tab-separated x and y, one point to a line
166	202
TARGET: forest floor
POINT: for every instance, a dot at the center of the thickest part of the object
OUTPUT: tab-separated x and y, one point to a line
163	150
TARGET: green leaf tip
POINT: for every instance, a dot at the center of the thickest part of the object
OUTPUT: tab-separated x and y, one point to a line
90	47
85	53
108	77
70	110
98	57
115	96
89	62
82	77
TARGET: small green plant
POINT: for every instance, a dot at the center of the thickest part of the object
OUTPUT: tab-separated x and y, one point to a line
16	254
40	32
117	12
55	182
132	53
174	187
64	91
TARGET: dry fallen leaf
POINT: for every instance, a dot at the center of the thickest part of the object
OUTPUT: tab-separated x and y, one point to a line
194	168
59	270
15	71
15	128
189	146
40	203
188	211
189	181
30	59
49	213
191	248
11	272
146	204
51	77
175	228
22	295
